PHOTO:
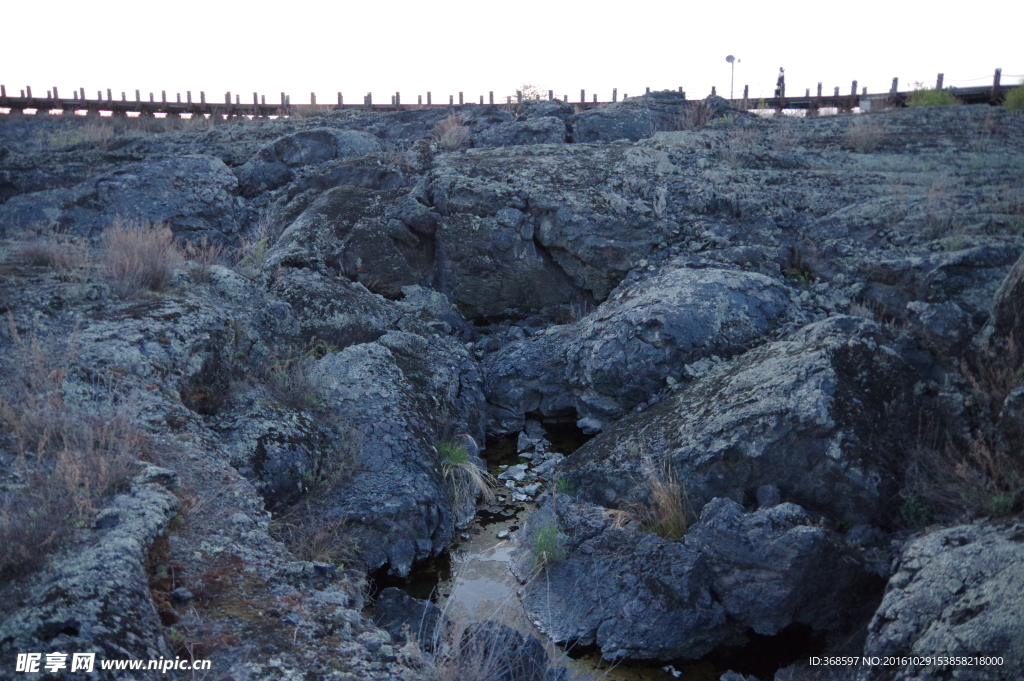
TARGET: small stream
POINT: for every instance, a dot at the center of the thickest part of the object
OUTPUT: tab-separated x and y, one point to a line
475	583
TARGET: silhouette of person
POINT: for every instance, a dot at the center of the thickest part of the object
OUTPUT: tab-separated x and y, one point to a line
780	84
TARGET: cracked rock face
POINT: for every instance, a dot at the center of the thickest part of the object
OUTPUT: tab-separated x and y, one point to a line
956	591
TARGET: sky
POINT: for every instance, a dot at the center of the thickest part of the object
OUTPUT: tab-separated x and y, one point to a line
448	46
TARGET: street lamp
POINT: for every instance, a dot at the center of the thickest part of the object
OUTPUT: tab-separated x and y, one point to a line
732	76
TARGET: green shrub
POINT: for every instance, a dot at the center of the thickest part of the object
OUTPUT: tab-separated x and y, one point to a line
1015	98
547	549
933	97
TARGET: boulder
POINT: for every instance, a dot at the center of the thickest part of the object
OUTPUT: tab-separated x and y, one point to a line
957	591
542	130
637	117
633	346
639	596
399	397
820	415
403	617
1007	316
634	595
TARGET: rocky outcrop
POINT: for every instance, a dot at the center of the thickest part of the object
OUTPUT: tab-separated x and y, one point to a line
272	166
810	415
956	592
98	601
195	195
399	398
637	595
635	345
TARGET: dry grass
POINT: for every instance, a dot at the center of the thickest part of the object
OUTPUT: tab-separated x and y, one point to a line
201	257
451	133
140	256
252	250
66	457
483	651
940	202
865	135
695	115
63	255
667	512
305	527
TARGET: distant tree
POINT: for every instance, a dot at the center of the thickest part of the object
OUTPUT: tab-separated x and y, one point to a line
530	91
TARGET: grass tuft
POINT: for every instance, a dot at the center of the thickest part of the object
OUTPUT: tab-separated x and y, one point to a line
451	133
666	513
140	255
547	547
465	478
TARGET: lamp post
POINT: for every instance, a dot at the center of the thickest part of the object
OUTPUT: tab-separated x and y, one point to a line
732	76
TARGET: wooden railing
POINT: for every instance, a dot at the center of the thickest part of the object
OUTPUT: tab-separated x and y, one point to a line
234	107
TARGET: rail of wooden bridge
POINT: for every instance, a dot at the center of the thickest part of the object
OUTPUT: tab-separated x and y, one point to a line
234	107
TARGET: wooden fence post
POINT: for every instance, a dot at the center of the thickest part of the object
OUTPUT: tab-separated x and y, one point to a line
649	90
312	98
995	84
460	99
238	99
938	81
746	96
583	97
419	100
56	96
163	96
227	97
853	89
481	100
151	100
110	95
83	94
263	100
893	95
519	96
615	94
3	92
202	96
491	97
551	95
595	99
836	94
451	100
398	99
282	99
341	100
712	90
428	98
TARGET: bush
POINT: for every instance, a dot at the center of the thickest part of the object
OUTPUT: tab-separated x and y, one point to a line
1014	100
201	257
61	255
140	256
933	97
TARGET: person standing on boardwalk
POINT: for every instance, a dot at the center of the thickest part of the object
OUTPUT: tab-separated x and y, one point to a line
780	84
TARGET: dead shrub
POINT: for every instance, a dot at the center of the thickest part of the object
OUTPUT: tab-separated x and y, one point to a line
864	136
451	133
252	250
140	256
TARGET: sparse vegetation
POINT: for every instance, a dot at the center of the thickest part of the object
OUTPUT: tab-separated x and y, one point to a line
864	136
451	133
62	255
201	257
67	457
252	250
694	115
140	255
290	380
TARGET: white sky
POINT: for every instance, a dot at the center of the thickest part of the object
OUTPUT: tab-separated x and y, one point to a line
451	45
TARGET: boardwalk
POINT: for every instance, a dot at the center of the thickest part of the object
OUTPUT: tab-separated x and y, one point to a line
233	106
